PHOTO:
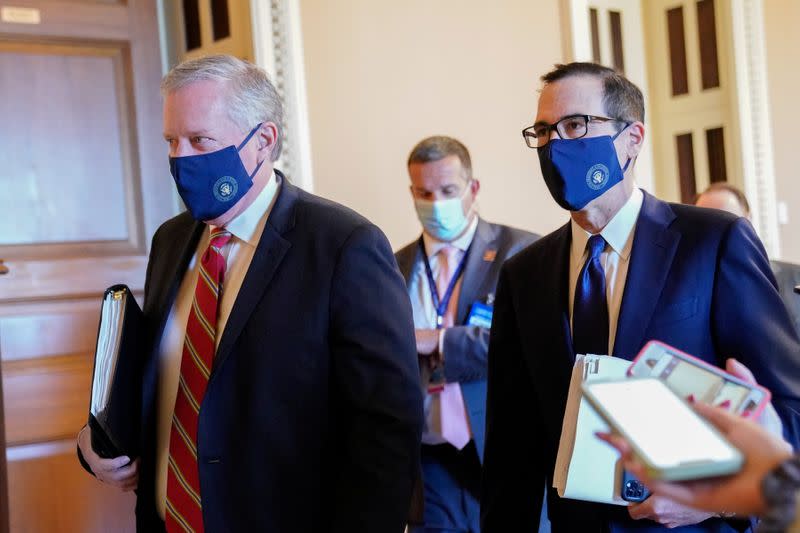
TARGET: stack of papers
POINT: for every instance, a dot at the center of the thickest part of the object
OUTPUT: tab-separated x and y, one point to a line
114	406
112	316
586	467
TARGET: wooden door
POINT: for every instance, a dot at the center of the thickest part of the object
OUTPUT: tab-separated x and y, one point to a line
693	99
85	182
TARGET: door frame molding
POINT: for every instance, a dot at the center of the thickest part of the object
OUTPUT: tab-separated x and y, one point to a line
278	49
755	120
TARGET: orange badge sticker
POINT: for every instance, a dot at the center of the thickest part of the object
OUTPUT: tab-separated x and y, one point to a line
489	255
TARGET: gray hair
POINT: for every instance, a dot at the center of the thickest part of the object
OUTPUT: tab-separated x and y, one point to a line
438	147
251	99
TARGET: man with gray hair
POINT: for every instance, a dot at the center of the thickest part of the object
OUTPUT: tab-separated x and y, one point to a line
280	389
451	272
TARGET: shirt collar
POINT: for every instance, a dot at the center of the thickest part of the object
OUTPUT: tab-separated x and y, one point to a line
432	246
245	226
618	233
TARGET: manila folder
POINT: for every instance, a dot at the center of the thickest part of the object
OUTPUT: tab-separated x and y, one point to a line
586	467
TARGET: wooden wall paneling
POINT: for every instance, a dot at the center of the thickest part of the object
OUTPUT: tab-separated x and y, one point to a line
191	24
85	134
220	19
47	353
715	145
707	37
617	56
24	337
70	278
75	20
686	176
52	493
46	398
677	51
55	84
594	25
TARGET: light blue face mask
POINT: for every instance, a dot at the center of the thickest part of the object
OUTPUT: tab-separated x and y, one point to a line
444	220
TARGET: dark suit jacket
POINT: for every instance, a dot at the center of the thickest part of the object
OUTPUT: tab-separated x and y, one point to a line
788	277
312	417
698	280
467	346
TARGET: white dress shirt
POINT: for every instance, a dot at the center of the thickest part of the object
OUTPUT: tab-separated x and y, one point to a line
615	259
246	229
425	313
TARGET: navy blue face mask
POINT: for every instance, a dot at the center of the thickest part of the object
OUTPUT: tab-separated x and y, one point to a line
212	183
579	170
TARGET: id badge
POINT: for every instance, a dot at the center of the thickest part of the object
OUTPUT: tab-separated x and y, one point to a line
480	315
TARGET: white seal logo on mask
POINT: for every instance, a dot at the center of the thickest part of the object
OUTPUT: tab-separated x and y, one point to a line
597	177
225	189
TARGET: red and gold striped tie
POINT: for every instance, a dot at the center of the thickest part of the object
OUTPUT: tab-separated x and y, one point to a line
184	508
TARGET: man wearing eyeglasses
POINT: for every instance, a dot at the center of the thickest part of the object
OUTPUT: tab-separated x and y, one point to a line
625	269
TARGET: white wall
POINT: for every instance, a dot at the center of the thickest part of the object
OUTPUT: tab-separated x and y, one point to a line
382	75
783	40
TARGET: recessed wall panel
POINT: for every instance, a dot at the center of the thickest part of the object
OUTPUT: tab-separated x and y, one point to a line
57	190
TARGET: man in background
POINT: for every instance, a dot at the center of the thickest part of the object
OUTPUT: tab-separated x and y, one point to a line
280	387
625	269
451	272
722	195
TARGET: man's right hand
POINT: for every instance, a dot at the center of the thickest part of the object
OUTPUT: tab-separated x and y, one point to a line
118	472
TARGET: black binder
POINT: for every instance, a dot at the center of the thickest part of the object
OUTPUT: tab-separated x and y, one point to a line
114	405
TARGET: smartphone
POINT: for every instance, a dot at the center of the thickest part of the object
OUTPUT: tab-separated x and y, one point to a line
656	423
687	375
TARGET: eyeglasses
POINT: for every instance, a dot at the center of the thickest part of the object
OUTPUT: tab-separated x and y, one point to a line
571	127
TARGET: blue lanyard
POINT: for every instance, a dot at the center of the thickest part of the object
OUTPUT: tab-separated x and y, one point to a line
441	305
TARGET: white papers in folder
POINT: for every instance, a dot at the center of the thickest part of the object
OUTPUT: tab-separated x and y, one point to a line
586	467
112	316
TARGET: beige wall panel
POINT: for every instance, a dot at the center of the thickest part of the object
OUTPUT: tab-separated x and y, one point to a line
383	75
783	40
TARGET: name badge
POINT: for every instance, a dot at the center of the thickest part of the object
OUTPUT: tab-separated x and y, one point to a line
480	315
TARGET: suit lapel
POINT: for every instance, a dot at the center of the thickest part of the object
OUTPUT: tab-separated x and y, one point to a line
407	258
168	273
476	270
654	246
271	250
556	277
176	261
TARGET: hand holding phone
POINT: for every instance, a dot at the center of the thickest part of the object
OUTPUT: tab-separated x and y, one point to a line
689	376
656	422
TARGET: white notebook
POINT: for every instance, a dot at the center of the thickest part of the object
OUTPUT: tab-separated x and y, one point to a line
586	467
